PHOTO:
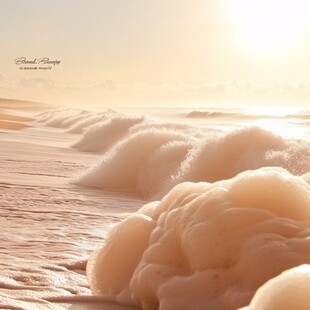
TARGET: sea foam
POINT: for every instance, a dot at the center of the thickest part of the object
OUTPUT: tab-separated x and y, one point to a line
209	246
122	166
288	291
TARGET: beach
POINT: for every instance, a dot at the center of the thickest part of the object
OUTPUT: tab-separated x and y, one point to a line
69	175
45	240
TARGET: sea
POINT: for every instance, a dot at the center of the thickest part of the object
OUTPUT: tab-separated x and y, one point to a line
151	208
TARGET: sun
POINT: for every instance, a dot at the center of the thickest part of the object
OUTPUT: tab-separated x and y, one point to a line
271	24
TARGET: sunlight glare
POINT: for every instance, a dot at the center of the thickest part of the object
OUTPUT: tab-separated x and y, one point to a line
271	24
273	111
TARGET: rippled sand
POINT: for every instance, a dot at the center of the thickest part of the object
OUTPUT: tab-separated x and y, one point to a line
48	227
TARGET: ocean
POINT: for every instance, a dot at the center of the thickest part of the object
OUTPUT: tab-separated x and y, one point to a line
185	209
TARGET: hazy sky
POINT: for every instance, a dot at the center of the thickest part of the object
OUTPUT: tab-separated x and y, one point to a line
157	52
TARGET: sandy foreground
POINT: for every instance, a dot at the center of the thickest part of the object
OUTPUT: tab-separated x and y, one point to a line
14	122
49	227
12	125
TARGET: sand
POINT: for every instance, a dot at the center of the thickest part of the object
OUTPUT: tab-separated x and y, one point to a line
14	122
16	118
49	227
12	125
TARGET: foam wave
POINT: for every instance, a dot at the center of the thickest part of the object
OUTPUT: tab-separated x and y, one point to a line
75	120
226	155
82	125
123	163
101	136
59	117
189	130
46	115
207	246
137	162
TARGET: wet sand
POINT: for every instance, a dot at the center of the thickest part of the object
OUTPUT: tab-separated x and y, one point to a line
49	227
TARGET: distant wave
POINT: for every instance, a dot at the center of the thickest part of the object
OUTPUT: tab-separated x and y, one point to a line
76	121
60	117
208	114
82	125
299	116
101	136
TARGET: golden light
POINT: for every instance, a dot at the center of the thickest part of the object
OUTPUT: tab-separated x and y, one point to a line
273	110
282	127
271	24
279	120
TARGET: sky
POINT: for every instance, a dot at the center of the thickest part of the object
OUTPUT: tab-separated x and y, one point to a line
156	52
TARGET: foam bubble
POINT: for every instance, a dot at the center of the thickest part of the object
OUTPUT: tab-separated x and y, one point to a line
207	246
306	177
289	290
132	234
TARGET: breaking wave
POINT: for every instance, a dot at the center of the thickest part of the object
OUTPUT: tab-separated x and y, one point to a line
122	167
101	136
76	121
153	160
82	125
151	157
